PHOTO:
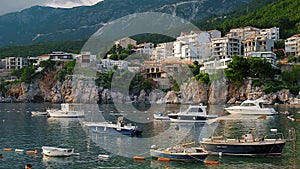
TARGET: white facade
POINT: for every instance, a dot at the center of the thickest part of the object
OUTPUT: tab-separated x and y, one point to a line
86	59
144	48
226	47
15	62
269	56
108	64
270	33
163	51
244	32
257	44
292	45
211	67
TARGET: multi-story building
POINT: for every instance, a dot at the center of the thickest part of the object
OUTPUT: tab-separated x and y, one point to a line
212	67
144	48
292	47
15	62
163	51
124	42
86	59
257	44
268	55
61	56
226	47
270	33
108	64
244	32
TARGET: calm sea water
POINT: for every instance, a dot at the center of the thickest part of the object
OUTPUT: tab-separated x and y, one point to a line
20	130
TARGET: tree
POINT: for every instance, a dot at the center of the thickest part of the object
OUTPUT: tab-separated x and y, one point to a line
237	70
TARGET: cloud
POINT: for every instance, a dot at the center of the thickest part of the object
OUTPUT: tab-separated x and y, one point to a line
70	3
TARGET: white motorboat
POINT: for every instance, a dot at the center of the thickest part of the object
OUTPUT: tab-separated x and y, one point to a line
38	113
58	152
160	116
195	113
67	111
251	107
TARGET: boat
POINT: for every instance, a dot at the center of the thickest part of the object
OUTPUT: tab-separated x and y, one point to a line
38	113
67	111
251	107
195	113
248	145
58	152
179	153
120	127
160	116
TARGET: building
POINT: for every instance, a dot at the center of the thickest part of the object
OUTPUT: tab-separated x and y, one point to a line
163	51
86	59
124	42
268	55
211	67
292	45
15	62
61	56
244	32
104	65
257	44
226	47
144	48
270	33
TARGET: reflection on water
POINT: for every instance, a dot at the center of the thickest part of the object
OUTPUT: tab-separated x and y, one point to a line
18	129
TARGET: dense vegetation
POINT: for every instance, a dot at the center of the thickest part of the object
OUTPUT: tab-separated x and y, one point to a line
153	38
42	48
283	14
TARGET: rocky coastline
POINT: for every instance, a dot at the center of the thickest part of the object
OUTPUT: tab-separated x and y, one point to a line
85	91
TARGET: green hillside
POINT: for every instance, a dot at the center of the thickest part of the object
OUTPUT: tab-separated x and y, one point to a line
284	14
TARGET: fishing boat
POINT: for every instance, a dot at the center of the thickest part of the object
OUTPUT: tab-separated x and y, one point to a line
251	107
195	113
58	152
160	116
67	111
179	153
120	127
38	113
247	145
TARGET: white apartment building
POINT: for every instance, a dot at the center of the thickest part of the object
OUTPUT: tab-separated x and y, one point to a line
211	67
124	42
257	44
61	56
108	64
270	33
226	47
163	51
144	48
292	45
15	62
86	59
194	45
269	56
244	32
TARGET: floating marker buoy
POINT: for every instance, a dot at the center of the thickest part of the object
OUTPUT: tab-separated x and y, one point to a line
19	150
211	162
32	152
7	149
220	154
139	158
163	159
103	156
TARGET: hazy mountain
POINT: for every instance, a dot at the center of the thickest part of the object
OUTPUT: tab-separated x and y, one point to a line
39	23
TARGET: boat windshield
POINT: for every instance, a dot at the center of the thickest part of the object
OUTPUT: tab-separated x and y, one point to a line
195	109
248	104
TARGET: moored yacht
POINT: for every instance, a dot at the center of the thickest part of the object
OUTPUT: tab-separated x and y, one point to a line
195	113
67	111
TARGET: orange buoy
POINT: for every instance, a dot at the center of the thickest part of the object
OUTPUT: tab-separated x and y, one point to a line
7	149
211	162
32	152
297	120
163	159
139	158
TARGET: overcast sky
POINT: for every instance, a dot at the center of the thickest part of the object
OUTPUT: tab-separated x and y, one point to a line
8	6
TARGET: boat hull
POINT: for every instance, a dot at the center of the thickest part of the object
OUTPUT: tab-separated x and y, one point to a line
189	119
250	111
178	156
65	114
245	149
106	128
57	152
